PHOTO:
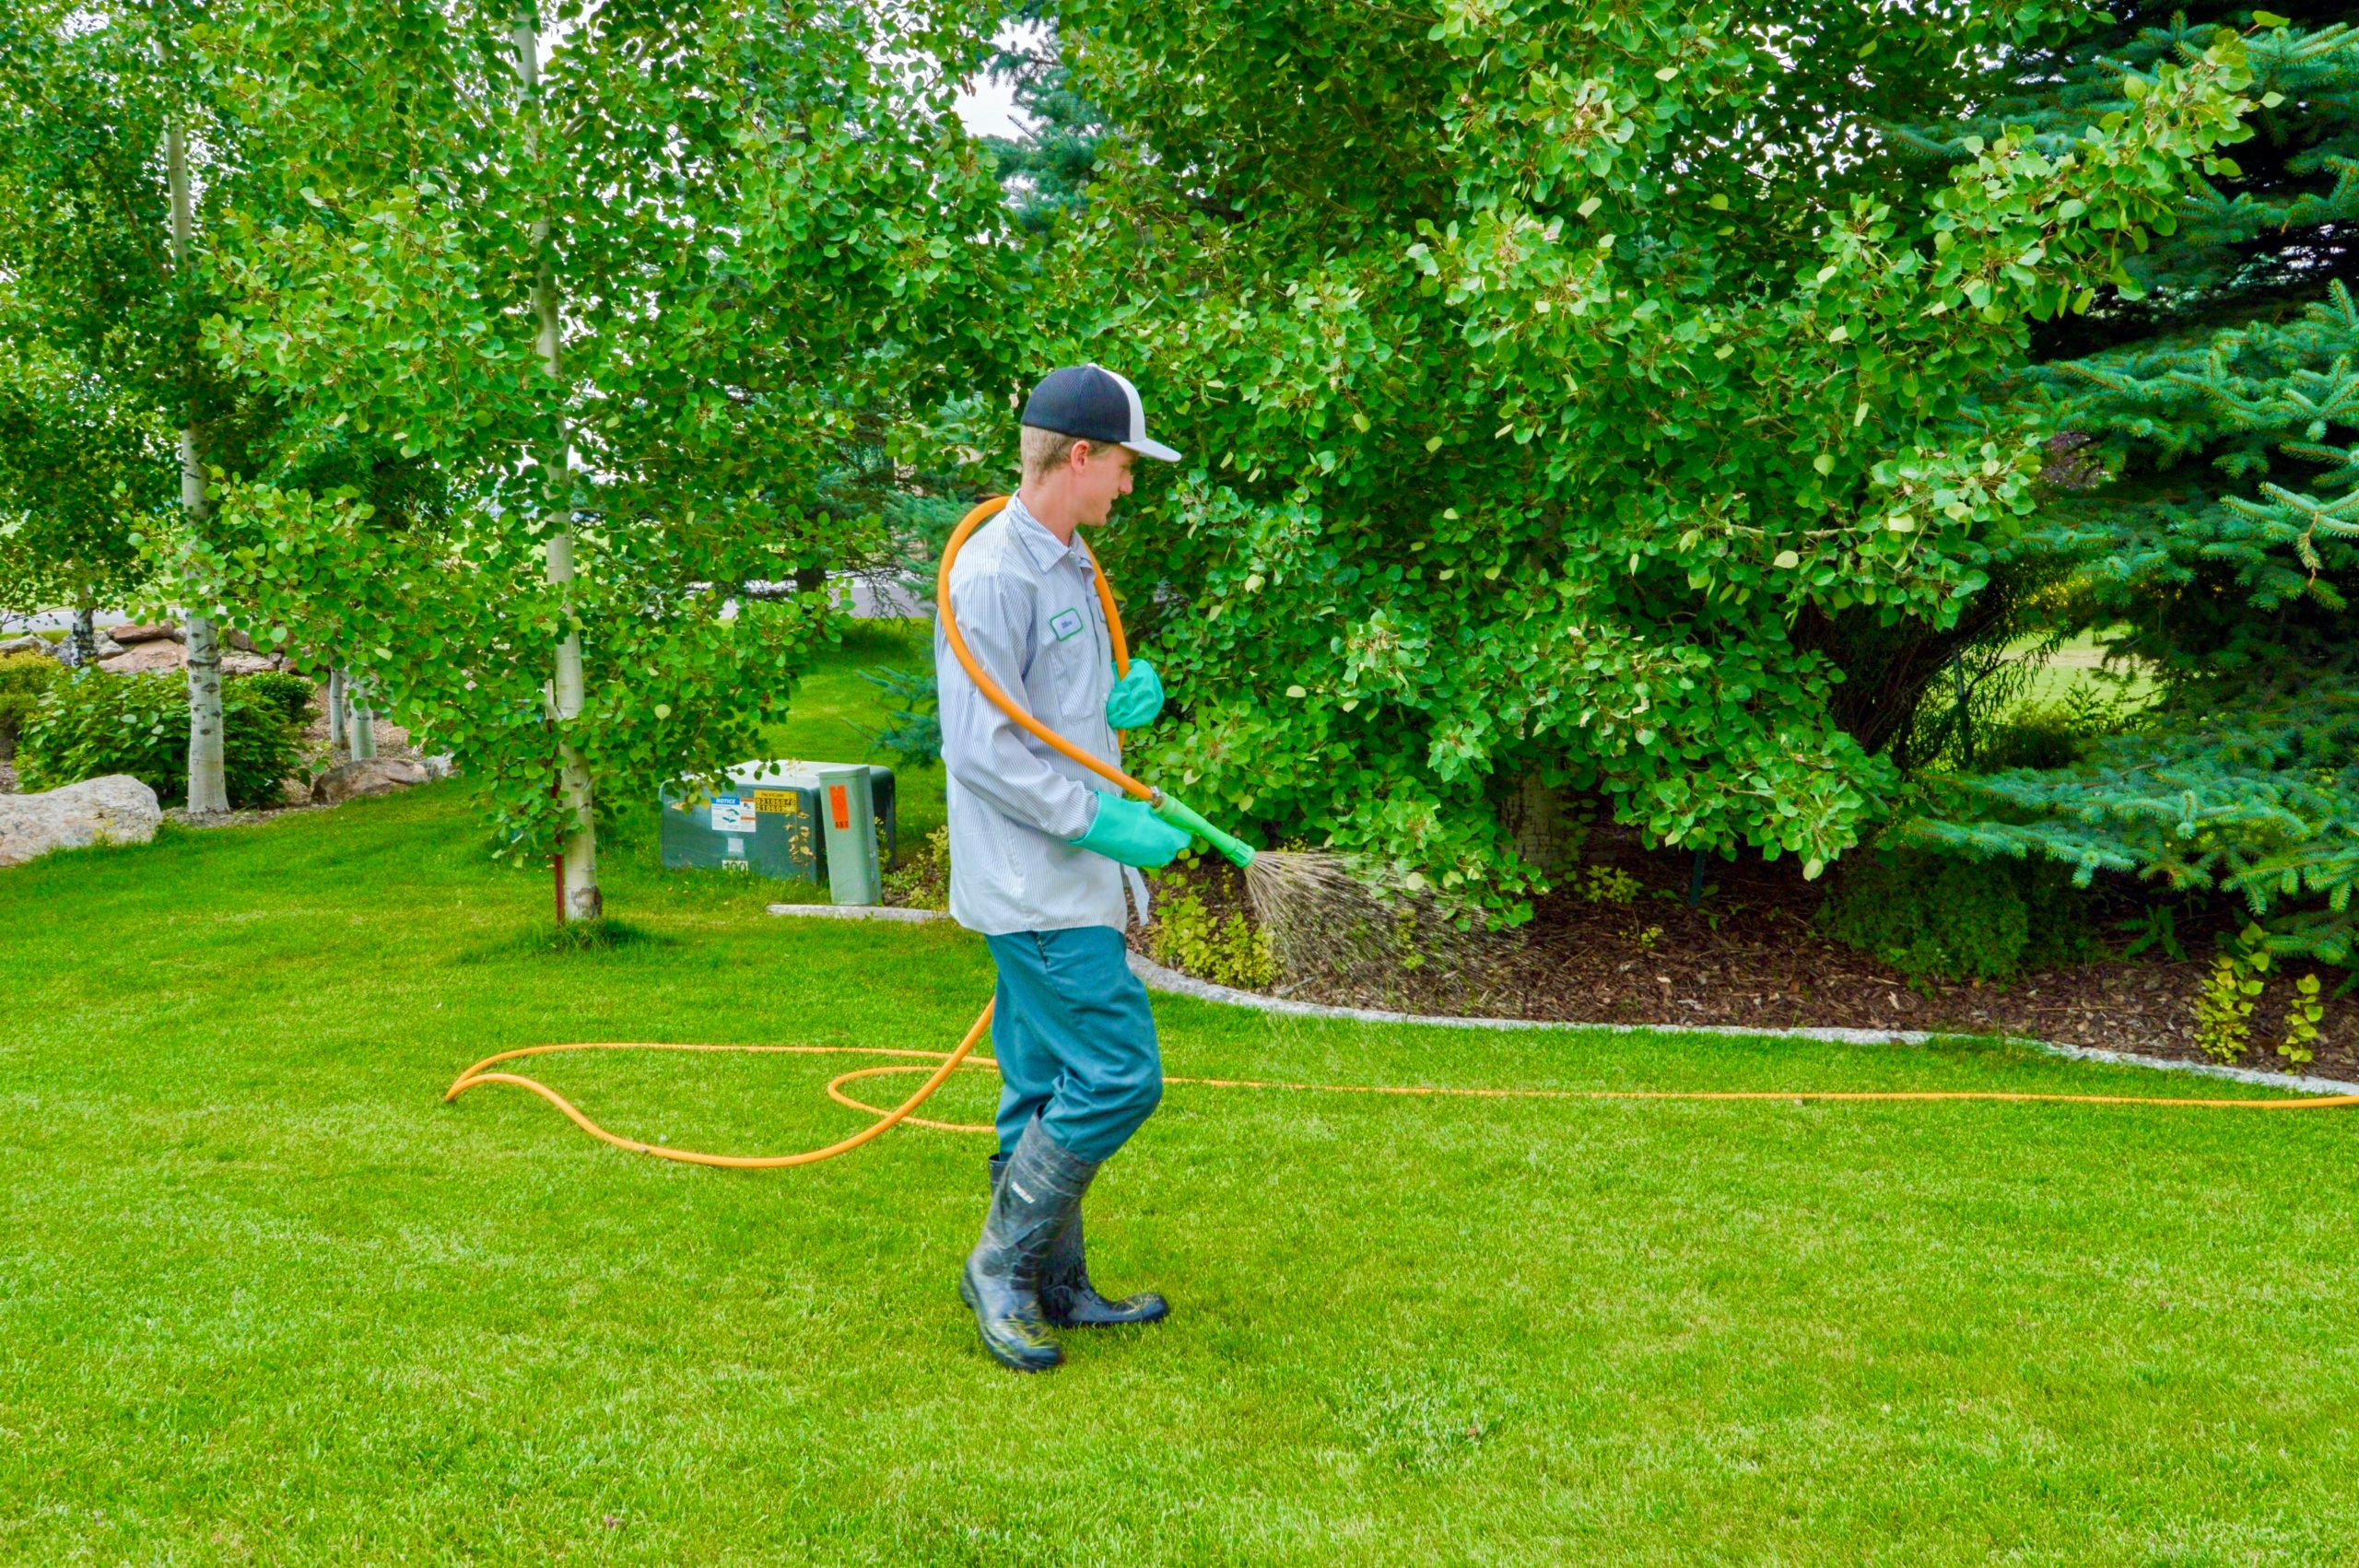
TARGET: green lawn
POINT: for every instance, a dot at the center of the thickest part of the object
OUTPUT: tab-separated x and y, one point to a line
263	1298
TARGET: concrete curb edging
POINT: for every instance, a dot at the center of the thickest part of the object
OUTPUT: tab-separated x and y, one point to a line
859	912
1157	977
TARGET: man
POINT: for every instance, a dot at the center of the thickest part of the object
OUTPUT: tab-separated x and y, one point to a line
1039	854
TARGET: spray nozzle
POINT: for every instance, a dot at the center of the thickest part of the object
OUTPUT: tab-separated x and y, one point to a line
1179	815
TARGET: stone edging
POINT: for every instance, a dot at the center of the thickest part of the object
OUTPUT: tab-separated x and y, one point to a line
1157	977
858	912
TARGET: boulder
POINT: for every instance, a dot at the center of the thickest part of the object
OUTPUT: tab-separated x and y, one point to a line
245	664
156	631
142	657
117	808
27	644
371	776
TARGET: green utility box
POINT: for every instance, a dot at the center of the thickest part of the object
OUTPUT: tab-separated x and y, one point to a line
789	820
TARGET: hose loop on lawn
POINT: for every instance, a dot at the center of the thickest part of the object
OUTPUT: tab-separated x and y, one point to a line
938	1066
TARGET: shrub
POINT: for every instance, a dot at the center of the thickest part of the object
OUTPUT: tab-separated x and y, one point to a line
922	879
2303	1016
2225	1003
290	693
24	677
138	724
1943	918
1227	953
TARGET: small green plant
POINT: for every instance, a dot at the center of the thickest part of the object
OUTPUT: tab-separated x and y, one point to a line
2303	1015
24	678
1227	953
138	724
1648	937
922	879
2158	927
1608	884
291	693
2224	1007
1931	916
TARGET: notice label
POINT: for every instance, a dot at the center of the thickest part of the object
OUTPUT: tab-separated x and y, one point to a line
777	801
730	814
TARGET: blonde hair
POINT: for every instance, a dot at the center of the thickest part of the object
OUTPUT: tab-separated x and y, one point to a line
1045	450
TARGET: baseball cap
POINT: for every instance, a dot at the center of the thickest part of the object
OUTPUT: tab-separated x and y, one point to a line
1095	403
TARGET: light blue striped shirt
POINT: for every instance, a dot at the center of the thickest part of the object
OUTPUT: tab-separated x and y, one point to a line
1028	608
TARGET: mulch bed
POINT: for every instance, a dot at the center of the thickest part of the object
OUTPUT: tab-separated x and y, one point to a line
1749	956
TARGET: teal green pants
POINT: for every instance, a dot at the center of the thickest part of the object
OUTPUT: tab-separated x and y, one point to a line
1074	1039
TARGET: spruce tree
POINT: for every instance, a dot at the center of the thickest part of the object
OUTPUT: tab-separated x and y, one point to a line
2213	400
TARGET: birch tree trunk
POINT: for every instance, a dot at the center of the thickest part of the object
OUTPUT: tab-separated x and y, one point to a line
578	871
360	728
85	637
208	790
338	736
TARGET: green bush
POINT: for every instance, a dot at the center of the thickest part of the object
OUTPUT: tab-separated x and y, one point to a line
138	724
23	678
290	693
1942	917
922	879
1228	951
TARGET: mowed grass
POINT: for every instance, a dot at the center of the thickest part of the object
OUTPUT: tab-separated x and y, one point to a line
265	1298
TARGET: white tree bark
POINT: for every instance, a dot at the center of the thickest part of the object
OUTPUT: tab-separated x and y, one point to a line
339	733
360	727
209	788
85	637
578	896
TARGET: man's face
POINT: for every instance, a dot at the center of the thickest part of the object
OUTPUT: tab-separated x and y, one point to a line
1100	475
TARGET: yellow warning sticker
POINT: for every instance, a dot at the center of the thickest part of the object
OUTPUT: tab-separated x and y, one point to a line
776	801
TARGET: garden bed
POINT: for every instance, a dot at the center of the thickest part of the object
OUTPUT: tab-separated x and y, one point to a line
1748	955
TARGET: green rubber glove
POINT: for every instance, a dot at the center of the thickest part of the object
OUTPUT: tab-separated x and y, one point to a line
1136	698
1129	831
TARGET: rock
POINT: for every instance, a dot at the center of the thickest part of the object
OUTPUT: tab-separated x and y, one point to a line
372	776
143	657
107	647
27	644
443	765
245	664
154	632
117	808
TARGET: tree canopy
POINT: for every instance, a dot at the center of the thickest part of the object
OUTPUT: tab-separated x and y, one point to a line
648	302
1563	387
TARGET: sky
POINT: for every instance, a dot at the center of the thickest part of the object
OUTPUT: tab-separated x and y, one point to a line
988	107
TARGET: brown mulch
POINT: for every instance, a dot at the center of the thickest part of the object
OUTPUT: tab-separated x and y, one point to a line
1748	956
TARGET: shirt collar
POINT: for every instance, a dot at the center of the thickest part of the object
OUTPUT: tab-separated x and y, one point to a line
1038	543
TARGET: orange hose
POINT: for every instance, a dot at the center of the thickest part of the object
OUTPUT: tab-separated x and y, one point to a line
990	689
944	1063
947	1062
939	1065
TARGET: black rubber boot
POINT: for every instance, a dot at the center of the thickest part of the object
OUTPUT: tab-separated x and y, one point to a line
1067	1298
1038	1190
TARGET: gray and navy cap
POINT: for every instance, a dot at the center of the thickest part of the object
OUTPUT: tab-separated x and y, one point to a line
1093	403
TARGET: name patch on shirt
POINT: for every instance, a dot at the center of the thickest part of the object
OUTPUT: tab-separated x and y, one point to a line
1065	623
